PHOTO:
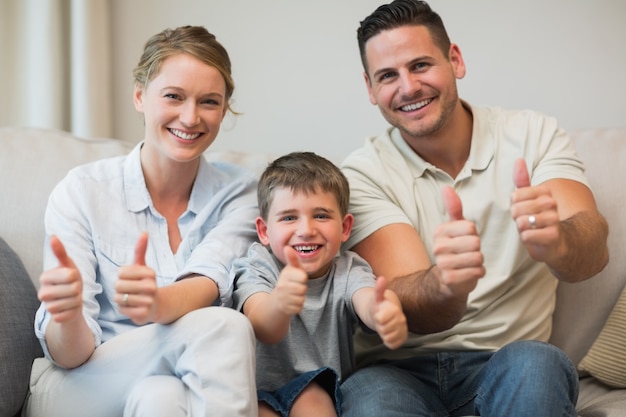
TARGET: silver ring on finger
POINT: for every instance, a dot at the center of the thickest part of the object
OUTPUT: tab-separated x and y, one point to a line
125	299
532	220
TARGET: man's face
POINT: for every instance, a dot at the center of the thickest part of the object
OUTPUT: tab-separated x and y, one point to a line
411	80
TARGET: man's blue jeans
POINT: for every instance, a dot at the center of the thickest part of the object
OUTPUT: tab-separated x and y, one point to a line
525	378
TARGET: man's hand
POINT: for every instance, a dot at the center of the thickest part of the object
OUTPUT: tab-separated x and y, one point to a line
535	213
456	248
136	289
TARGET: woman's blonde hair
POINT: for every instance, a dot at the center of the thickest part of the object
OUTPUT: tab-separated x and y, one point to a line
192	40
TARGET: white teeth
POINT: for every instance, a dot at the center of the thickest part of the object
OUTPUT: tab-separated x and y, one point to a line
307	248
184	135
415	106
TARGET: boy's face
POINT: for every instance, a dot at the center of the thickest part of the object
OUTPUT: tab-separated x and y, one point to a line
311	223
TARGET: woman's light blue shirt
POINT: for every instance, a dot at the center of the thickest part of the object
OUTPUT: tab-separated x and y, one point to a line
99	210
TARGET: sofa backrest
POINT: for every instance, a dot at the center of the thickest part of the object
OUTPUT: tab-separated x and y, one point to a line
32	162
583	308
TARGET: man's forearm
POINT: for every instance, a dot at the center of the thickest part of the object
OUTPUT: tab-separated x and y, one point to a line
584	236
426	308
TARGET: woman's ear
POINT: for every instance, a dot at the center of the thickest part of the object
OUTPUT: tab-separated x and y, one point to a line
138	98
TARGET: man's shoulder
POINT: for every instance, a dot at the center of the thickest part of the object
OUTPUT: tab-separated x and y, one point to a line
371	152
502	117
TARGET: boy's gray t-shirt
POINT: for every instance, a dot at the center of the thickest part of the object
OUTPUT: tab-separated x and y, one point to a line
321	335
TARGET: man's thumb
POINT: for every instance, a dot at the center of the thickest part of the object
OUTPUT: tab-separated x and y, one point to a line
452	203
520	174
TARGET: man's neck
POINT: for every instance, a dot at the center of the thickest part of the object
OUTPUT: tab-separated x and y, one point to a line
449	147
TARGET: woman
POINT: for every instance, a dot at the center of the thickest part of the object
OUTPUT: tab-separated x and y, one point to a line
140	248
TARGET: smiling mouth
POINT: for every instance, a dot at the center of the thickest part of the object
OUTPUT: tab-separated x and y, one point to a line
416	106
306	248
185	136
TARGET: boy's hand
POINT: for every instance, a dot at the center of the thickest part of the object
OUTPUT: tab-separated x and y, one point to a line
136	288
61	288
290	290
389	318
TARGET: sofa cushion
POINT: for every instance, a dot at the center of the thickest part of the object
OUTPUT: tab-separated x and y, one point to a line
606	359
583	308
18	344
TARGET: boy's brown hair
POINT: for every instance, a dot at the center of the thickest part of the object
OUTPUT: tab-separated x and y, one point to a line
302	172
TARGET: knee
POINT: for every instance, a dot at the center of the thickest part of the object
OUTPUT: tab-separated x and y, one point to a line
228	323
375	390
540	362
537	354
156	396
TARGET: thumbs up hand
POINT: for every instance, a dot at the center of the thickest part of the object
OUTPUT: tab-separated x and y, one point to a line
61	288
456	249
535	212
290	290
136	288
389	319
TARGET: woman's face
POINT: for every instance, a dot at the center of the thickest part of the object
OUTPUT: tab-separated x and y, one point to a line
183	107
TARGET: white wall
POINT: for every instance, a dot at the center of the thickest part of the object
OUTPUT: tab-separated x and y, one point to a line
299	80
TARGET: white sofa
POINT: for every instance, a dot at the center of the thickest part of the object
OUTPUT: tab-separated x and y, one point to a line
32	161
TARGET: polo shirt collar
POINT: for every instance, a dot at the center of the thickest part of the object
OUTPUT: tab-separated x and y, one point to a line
482	148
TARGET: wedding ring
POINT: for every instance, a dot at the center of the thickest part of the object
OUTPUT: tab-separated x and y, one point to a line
125	299
532	220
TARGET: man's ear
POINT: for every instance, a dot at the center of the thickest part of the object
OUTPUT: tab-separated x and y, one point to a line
261	231
456	59
368	84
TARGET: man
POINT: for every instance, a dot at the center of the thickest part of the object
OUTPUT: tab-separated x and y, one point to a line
470	213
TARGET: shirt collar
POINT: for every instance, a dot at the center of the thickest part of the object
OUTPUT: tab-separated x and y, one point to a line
137	195
481	151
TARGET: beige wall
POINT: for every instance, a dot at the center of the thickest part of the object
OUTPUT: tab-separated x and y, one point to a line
298	74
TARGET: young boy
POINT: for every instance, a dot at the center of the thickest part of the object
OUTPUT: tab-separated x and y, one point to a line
304	301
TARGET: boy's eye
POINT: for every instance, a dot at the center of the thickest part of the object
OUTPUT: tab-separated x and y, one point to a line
288	218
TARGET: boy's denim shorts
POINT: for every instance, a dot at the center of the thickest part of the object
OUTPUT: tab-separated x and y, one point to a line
282	399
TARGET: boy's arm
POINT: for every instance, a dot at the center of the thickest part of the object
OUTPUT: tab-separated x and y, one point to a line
270	324
270	313
380	310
